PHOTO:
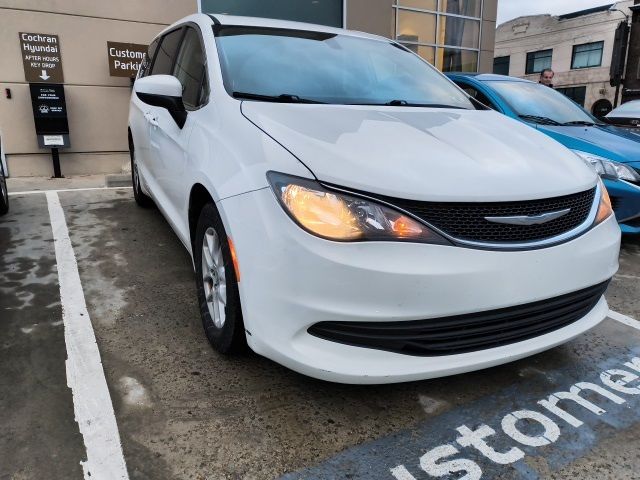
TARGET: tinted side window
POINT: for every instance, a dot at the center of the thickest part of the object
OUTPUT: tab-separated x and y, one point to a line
190	68
478	95
166	54
148	59
482	98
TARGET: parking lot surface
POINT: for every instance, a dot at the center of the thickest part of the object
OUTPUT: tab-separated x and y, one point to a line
182	411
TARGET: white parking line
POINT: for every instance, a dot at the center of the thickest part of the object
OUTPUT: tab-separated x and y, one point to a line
85	376
33	192
624	319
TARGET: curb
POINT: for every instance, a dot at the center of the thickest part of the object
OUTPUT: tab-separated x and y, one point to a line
117	180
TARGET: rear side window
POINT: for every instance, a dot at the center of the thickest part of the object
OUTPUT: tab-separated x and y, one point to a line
166	54
190	69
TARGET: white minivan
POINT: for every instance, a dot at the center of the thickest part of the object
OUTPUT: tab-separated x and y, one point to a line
352	214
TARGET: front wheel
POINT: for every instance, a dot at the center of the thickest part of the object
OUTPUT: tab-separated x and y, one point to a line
217	284
141	198
4	195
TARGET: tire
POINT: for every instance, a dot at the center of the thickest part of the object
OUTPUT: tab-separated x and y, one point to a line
4	195
141	198
222	321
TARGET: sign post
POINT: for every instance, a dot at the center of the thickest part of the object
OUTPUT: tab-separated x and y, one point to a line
42	62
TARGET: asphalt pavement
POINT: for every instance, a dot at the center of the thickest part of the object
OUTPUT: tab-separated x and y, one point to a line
172	408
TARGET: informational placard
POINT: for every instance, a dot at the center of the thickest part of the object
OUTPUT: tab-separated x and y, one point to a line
50	115
125	58
53	140
41	57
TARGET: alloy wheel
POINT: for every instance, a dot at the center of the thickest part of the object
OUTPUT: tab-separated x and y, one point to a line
213	276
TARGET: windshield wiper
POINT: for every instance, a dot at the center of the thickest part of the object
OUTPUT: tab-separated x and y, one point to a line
541	120
580	123
283	98
404	103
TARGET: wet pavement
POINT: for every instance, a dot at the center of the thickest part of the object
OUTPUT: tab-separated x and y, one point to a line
185	412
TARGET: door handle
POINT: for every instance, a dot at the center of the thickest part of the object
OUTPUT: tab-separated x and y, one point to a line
151	119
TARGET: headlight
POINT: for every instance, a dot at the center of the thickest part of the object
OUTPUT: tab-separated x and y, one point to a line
608	168
337	216
605	210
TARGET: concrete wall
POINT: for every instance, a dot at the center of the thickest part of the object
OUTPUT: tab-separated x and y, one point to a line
540	32
97	103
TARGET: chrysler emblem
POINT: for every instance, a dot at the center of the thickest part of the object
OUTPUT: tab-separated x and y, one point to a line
529	220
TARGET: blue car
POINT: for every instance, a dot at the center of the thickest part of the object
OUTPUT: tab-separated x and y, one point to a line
614	152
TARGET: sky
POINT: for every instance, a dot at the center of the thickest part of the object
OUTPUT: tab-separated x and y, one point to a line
509	9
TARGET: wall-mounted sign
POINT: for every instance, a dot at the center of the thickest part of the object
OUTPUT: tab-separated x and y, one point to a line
41	57
125	58
50	115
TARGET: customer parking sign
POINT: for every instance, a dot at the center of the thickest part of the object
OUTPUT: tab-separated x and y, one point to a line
125	58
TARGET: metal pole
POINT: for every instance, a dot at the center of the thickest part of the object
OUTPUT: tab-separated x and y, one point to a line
56	163
628	24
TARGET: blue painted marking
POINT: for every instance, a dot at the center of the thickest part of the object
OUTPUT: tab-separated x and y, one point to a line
373	460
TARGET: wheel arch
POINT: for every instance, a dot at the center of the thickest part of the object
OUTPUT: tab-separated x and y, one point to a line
130	140
198	198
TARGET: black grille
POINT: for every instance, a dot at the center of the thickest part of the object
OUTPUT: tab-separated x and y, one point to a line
466	221
615	202
465	333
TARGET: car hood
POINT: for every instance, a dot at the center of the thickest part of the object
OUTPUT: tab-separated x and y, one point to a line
607	141
423	153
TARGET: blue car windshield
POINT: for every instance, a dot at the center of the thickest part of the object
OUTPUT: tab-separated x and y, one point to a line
295	66
535	101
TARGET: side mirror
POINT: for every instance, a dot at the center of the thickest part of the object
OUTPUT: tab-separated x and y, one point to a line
164	91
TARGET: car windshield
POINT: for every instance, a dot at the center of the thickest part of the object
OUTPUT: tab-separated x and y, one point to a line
541	104
629	109
296	66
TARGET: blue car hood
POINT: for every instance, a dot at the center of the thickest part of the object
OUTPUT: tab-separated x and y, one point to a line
607	141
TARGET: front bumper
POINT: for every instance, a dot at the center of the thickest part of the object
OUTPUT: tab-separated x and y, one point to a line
291	280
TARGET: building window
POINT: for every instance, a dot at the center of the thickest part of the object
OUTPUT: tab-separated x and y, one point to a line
538	61
323	12
577	94
428	53
587	55
457	60
444	32
501	65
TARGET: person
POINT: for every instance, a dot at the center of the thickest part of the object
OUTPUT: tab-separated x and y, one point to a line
546	77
